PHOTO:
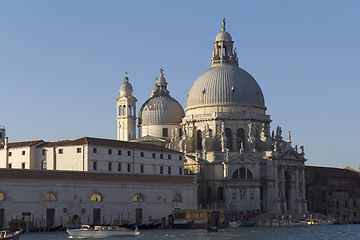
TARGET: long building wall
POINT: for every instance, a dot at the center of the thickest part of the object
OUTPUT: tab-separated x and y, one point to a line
65	197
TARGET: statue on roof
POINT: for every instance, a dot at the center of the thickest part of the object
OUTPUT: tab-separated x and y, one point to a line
289	137
223	25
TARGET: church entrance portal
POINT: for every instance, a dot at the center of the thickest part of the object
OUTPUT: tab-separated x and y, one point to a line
96	216
50	215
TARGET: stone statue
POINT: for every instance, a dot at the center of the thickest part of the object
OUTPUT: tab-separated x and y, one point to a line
296	149
226	155
251	130
173	135
223	137
223	25
242	147
207	130
272	134
302	150
275	147
263	134
184	134
289	137
278	133
251	138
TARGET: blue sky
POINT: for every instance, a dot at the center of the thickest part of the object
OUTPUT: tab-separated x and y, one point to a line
62	64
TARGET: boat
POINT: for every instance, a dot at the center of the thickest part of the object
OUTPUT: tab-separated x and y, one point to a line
7	235
213	229
87	231
198	218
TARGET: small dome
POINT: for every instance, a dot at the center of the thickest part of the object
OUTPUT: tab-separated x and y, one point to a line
161	110
223	36
126	88
224	85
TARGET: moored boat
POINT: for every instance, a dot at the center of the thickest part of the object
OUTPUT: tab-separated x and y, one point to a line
7	235
101	232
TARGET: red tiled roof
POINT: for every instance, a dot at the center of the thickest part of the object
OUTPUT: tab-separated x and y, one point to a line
21	144
333	172
91	176
108	143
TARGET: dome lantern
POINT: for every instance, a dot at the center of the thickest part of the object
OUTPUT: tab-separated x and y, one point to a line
223	53
160	86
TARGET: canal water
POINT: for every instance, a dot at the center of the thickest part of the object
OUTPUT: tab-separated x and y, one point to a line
330	232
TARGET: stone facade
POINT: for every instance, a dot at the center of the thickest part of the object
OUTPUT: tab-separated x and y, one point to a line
226	139
334	192
73	198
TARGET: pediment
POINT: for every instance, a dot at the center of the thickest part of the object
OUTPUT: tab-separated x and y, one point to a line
291	154
241	159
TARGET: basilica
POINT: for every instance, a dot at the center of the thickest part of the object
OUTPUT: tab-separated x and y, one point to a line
217	153
241	164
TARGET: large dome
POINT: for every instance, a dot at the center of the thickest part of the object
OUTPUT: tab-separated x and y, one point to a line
161	110
224	85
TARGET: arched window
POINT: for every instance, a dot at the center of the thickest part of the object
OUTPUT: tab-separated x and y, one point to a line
199	140
120	110
96	197
235	174
240	138
2	196
138	198
124	110
228	138
130	110
242	173
220	193
44	164
177	198
50	196
249	174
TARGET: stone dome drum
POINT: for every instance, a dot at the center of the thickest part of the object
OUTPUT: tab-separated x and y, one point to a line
224	85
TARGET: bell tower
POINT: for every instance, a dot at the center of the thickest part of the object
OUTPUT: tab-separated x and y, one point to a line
126	112
2	134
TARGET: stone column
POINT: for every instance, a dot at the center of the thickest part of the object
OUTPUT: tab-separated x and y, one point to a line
276	187
303	198
282	198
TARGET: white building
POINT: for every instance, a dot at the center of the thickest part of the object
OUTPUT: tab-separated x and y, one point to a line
92	154
97	181
50	198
